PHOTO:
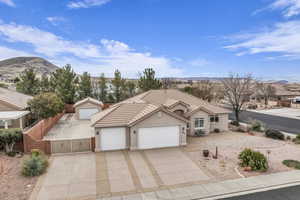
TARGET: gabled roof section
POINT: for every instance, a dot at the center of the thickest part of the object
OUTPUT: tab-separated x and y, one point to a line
171	103
118	115
88	99
14	98
128	114
146	115
198	109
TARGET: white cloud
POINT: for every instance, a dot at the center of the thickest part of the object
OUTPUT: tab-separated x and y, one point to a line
199	62
8	2
283	38
55	20
6	52
104	56
45	42
290	7
86	3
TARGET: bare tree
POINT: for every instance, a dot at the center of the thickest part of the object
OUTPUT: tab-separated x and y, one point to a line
237	91
266	91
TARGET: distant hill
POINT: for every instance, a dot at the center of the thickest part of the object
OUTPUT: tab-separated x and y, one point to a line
11	68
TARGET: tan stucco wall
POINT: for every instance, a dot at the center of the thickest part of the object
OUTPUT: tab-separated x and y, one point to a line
157	120
222	125
200	114
86	105
7	107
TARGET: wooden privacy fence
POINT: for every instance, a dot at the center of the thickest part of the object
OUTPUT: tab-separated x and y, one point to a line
33	137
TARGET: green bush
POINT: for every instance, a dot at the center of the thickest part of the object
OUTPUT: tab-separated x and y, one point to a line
256	126
254	159
275	134
292	163
35	165
199	133
9	137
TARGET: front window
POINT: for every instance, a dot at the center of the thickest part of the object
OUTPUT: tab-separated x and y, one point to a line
199	123
214	118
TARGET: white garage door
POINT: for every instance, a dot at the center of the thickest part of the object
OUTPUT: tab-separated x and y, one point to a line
157	137
86	113
113	138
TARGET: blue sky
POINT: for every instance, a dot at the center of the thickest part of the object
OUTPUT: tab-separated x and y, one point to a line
177	38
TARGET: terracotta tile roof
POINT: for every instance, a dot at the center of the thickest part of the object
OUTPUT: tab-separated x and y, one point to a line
131	110
162	97
14	98
121	114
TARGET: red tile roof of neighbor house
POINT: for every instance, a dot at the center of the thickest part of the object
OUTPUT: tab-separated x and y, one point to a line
133	109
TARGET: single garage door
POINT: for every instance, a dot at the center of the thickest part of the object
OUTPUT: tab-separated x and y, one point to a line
113	138
86	113
158	137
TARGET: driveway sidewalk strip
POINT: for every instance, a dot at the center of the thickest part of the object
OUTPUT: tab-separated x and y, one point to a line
157	178
134	176
102	182
226	188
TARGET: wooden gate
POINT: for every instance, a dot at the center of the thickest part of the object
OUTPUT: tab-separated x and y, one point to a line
70	146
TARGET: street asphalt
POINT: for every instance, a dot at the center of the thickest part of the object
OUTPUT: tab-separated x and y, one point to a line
285	124
289	193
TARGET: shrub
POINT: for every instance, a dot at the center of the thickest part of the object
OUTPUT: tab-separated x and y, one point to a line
217	130
254	159
11	153
36	164
275	134
288	137
9	137
256	125
292	163
199	133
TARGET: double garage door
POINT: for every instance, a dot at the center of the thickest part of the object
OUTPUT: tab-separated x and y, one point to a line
69	146
86	113
147	138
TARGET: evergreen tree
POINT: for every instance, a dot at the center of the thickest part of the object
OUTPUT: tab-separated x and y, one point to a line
45	85
118	86
28	82
148	81
130	88
85	86
103	88
64	81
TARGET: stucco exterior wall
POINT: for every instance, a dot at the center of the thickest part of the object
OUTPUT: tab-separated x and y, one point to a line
222	125
200	114
156	120
86	105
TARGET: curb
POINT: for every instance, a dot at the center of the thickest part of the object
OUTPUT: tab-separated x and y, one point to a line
249	191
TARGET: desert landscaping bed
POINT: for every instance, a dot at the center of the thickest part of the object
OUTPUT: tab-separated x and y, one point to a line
14	186
230	144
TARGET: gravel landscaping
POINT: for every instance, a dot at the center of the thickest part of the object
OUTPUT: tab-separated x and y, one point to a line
13	186
230	144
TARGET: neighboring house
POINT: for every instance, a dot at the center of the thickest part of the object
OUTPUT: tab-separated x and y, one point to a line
155	119
13	107
85	108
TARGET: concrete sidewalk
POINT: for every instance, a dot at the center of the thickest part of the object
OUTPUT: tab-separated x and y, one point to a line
220	190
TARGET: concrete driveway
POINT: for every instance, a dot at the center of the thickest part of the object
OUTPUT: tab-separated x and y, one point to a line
95	175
